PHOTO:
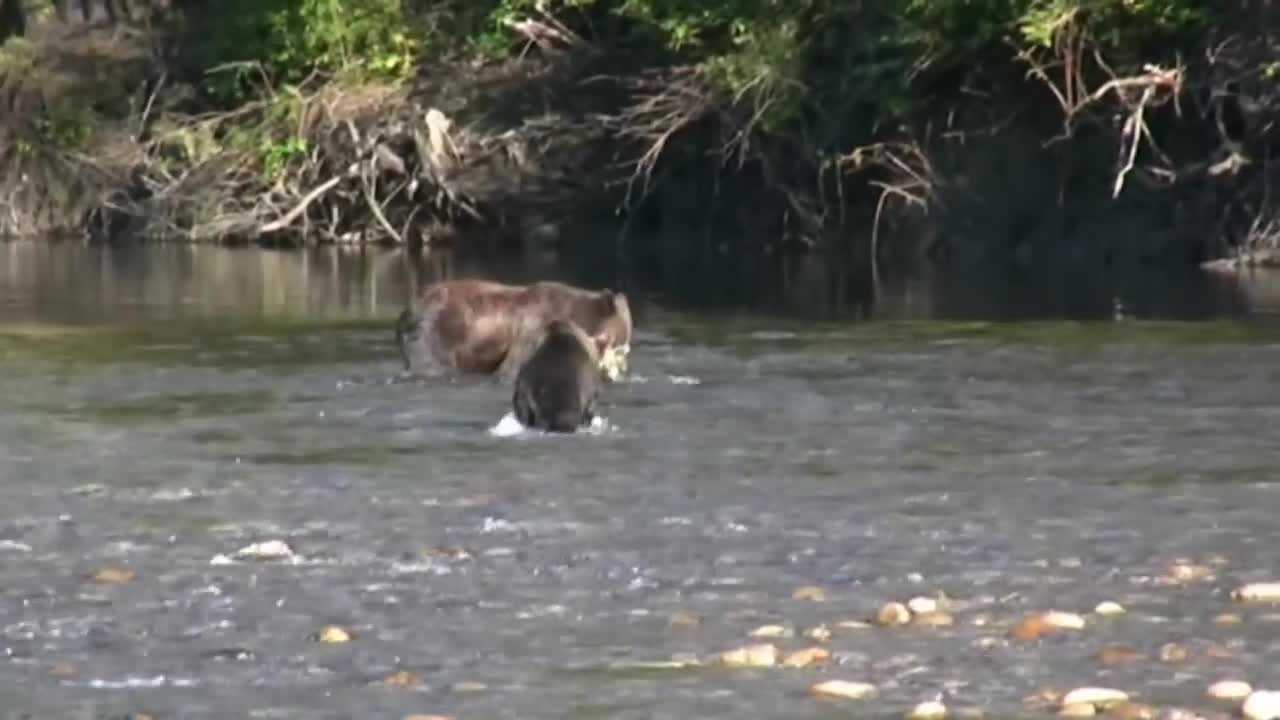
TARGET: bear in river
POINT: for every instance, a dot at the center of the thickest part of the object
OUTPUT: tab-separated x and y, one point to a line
488	327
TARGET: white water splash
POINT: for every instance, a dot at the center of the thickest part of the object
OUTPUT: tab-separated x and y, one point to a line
509	426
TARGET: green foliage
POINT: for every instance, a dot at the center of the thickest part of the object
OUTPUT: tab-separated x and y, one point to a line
776	57
246	43
66	124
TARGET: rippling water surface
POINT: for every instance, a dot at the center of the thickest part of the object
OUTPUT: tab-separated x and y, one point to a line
1014	468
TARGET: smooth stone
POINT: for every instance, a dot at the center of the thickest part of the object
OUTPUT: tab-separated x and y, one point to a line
821	633
758	655
1173	653
892	614
1078	710
766	632
1261	705
936	618
1129	710
401	678
920	605
1257	592
807	657
1230	690
1094	696
812	593
844	689
1116	654
112	575
1107	607
333	634
928	710
266	550
1038	625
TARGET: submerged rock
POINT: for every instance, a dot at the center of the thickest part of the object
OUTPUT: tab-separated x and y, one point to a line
767	632
1229	690
1129	710
933	618
1037	626
1261	705
1078	710
845	689
821	633
266	550
333	634
111	575
1107	607
758	655
928	710
812	593
807	657
1096	696
64	669
1117	654
1257	592
684	618
401	678
1173	653
920	605
893	614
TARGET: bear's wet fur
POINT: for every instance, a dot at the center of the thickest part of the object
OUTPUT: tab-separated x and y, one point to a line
556	389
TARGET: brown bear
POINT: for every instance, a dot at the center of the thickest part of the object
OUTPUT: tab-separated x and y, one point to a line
488	327
556	389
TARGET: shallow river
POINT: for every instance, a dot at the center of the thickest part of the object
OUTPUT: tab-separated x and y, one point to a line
146	436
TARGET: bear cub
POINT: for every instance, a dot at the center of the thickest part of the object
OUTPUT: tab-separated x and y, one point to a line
557	387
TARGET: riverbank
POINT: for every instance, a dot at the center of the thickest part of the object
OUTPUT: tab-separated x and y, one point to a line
616	149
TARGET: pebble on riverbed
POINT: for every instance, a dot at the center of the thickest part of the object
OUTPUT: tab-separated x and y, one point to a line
1229	690
1098	697
845	689
112	575
401	678
893	614
1130	710
333	634
757	655
807	657
919	605
770	632
812	593
1108	607
1261	705
1257	592
684	618
821	633
266	550
1033	627
1173	653
929	710
1183	573
935	618
1118	654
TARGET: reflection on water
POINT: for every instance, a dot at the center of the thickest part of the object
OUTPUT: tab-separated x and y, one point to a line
73	282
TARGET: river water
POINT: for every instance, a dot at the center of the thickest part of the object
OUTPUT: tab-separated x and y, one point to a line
165	407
